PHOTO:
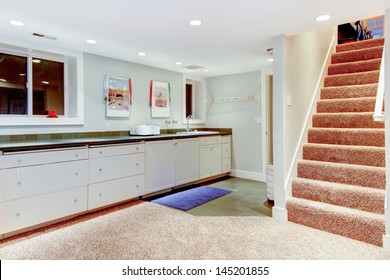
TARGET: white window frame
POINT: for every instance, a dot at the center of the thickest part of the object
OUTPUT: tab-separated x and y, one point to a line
73	83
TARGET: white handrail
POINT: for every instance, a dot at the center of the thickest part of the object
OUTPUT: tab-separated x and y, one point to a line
378	113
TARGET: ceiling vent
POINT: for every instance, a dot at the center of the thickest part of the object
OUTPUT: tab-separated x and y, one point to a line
193	67
49	37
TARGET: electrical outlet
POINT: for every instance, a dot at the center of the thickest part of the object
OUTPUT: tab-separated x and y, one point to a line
257	120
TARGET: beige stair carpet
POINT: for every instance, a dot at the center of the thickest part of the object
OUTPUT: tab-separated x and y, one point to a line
341	179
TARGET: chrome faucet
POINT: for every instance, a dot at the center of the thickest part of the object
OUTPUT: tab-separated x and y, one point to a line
188	118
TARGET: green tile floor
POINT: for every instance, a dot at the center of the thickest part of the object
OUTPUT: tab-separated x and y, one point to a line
249	198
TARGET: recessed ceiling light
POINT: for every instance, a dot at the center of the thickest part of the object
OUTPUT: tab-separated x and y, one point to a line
141	53
35	60
91	41
323	18
206	70
3	80
16	22
195	22
45	82
22	74
178	63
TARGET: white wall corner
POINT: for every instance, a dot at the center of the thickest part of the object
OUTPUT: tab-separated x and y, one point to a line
256	176
279	214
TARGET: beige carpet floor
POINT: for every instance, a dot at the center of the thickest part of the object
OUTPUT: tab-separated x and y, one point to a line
151	231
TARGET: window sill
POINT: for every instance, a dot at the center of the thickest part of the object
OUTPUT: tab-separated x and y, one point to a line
40	121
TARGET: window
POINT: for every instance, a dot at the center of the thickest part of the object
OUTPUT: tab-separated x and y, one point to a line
375	25
34	82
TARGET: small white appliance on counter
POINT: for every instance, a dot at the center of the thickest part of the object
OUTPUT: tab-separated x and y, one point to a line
143	129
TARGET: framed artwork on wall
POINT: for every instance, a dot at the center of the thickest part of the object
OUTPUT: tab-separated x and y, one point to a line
118	96
160	99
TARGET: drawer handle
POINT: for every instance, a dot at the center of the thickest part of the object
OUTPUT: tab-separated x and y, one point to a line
18	214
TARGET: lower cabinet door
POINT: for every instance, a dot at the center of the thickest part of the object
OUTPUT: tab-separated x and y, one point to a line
22	213
109	192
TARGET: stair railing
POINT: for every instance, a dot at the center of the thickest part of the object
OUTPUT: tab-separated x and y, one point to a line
378	113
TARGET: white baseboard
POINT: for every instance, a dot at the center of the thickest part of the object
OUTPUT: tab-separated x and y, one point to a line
386	242
248	175
279	214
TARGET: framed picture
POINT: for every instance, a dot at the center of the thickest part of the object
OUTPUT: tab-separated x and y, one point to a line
118	96
160	99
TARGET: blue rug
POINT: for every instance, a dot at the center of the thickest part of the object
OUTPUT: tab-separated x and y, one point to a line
191	198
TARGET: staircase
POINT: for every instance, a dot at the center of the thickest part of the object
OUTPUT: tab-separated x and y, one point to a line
340	186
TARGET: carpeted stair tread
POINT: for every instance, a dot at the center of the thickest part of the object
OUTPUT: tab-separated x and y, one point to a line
370	77
346	120
356	197
347	136
360	225
362	104
360	45
355	67
351	91
357	55
358	155
351	174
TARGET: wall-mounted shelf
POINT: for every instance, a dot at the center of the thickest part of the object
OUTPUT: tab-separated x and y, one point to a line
232	99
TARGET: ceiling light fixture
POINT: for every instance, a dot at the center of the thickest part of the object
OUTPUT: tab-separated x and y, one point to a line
206	70
16	22
323	18
45	82
195	22
178	63
271	53
3	80
35	60
142	54
91	41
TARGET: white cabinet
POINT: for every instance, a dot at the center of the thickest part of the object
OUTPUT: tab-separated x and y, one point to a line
226	154
210	156
39	186
171	163
186	160
116	173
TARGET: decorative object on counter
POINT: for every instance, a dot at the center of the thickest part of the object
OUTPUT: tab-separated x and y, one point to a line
52	114
160	99
118	96
191	198
145	130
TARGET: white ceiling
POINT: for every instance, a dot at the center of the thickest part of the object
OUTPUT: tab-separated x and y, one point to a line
233	38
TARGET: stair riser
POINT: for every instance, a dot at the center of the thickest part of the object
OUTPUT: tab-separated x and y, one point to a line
354	67
360	45
343	174
352	79
352	227
365	201
375	157
346	105
358	55
349	91
356	138
346	121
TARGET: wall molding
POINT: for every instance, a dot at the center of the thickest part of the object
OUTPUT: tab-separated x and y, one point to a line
256	176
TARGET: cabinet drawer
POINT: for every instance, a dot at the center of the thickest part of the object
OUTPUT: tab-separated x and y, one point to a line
226	165
108	168
210	140
18	159
226	150
115	150
225	139
38	179
22	213
109	192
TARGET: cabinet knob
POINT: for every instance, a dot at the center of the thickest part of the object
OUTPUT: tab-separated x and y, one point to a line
75	201
76	174
100	152
100	195
137	164
100	170
18	214
137	148
76	155
19	183
19	161
137	186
